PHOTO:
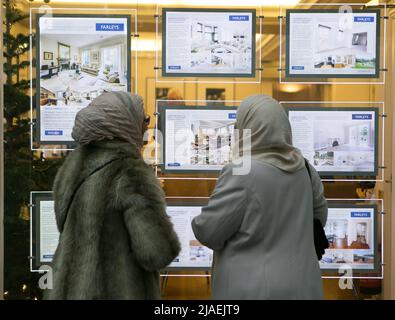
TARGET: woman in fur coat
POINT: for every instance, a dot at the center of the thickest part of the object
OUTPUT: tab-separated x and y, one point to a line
110	209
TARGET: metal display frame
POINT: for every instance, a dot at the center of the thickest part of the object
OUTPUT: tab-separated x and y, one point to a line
383	69
37	13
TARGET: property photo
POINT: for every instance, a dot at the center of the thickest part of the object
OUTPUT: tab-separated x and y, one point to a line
337	257
344	144
215	96
220	45
344	48
351	241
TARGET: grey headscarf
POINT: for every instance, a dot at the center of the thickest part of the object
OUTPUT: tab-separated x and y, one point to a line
271	135
113	115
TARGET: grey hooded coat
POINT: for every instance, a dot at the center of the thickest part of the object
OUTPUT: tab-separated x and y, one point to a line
260	225
114	232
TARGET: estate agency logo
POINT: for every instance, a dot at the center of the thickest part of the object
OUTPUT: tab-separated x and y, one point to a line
110	27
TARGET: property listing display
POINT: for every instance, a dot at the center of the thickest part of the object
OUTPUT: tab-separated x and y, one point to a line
79	58
332	44
337	141
193	254
197	139
208	42
44	231
351	235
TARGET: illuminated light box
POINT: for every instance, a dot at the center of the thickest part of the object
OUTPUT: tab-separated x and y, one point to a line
90	54
352	234
193	254
196	139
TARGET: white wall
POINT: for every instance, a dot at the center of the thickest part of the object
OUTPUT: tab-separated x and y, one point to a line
48	45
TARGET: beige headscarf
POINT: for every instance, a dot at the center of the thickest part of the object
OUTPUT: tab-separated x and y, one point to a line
271	135
113	115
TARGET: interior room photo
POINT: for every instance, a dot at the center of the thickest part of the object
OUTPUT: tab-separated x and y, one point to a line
212	143
344	48
344	143
76	70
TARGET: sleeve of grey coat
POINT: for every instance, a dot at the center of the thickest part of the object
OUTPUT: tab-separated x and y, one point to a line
320	203
222	218
153	240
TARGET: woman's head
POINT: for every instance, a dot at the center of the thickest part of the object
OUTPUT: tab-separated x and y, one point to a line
267	120
271	135
113	115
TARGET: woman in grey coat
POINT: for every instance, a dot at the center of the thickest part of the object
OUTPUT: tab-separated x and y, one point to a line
260	225
110	209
